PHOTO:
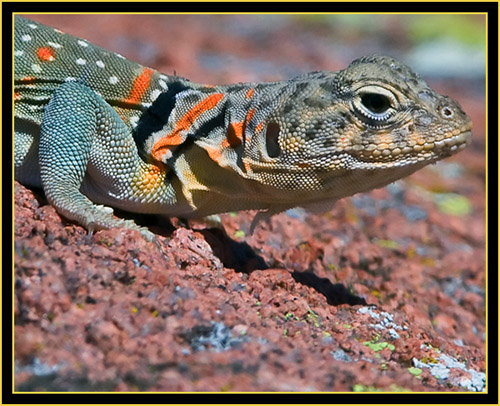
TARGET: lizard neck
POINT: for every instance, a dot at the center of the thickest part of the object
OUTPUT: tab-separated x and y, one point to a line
216	117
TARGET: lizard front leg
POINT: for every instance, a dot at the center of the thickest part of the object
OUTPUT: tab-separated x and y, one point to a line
85	146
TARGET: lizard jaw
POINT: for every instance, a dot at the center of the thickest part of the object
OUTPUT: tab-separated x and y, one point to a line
429	151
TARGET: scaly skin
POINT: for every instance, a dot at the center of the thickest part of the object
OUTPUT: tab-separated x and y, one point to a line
94	129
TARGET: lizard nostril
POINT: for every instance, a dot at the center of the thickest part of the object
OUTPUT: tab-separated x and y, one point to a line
272	133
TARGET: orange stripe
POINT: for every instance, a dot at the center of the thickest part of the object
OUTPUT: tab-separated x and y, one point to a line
249	93
214	154
28	79
174	138
139	87
249	116
236	131
46	54
234	136
247	166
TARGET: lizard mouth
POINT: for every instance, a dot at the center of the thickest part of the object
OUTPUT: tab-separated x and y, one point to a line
431	150
454	143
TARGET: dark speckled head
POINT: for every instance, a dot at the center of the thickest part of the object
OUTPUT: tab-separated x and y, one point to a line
397	117
363	127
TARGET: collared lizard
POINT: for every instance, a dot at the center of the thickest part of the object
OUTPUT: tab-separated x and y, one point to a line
94	130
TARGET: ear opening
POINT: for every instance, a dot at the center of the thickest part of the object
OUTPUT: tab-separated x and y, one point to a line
272	134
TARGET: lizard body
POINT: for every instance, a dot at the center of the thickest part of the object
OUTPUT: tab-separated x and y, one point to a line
94	129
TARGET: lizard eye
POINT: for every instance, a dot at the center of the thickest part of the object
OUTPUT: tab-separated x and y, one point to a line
375	103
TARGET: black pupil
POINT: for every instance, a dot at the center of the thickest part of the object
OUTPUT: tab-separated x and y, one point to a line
376	103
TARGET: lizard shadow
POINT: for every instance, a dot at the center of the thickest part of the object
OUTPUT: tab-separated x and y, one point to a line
335	293
241	257
233	254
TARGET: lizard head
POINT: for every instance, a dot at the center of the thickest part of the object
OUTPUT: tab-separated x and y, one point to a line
395	118
361	128
376	112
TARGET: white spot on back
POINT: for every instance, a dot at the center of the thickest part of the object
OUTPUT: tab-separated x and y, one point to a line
163	84
36	68
39	97
81	61
54	44
18	53
82	43
113	80
32	26
26	38
120	56
70	79
100	64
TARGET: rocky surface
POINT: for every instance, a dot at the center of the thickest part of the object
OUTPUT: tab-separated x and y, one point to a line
384	293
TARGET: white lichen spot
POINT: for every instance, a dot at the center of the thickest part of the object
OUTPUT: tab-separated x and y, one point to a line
113	80
81	61
475	382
